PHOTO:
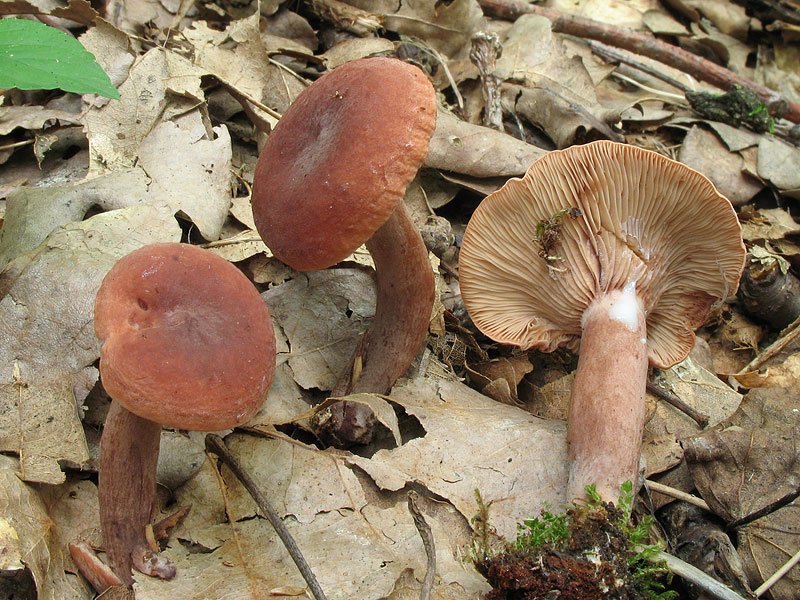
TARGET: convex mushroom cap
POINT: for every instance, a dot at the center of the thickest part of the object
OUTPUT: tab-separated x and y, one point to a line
529	269
187	341
339	160
332	176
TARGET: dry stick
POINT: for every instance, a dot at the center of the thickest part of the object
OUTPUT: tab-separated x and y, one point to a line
761	512
699	418
762	589
666	490
215	444
427	541
610	54
788	335
694	575
645	45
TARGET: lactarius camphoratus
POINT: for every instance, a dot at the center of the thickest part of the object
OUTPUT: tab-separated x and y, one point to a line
330	178
187	342
612	251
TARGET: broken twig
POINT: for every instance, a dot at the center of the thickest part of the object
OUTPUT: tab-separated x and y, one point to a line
697	417
215	444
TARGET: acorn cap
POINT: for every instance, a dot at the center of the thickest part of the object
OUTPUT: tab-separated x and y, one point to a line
587	220
187	340
340	158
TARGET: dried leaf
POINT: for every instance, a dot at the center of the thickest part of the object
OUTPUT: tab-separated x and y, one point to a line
747	463
31	538
33	212
779	163
478	151
356	548
704	152
114	136
515	459
194	176
237	57
47	319
322	313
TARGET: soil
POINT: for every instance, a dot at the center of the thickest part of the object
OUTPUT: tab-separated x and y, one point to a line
592	563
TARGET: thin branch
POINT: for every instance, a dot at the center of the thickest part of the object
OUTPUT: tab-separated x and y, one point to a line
646	45
694	575
697	417
610	54
762	512
666	490
428	543
776	576
215	444
787	336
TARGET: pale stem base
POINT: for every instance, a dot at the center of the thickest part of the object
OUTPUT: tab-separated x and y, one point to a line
607	406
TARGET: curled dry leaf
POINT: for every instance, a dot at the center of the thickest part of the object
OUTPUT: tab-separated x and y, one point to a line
498	378
478	151
744	465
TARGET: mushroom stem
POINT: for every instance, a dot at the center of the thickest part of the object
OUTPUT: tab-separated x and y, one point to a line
403	311
607	407
127	484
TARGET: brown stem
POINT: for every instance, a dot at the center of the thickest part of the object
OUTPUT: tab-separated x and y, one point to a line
403	312
405	301
645	45
607	407
127	484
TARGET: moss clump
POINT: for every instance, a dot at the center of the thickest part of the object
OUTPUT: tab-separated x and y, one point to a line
588	552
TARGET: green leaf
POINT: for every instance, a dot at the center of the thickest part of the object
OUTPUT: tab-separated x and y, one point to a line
34	56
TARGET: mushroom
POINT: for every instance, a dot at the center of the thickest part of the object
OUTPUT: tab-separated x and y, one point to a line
187	342
330	178
613	250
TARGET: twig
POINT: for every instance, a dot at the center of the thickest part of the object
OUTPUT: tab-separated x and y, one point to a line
694	575
215	444
621	37
427	541
630	80
762	589
787	336
762	512
610	54
699	418
666	490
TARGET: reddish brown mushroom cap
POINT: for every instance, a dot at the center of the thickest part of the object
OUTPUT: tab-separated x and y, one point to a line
187	341
643	218
352	141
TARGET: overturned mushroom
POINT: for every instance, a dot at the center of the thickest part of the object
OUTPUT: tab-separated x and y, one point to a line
614	251
187	342
332	177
